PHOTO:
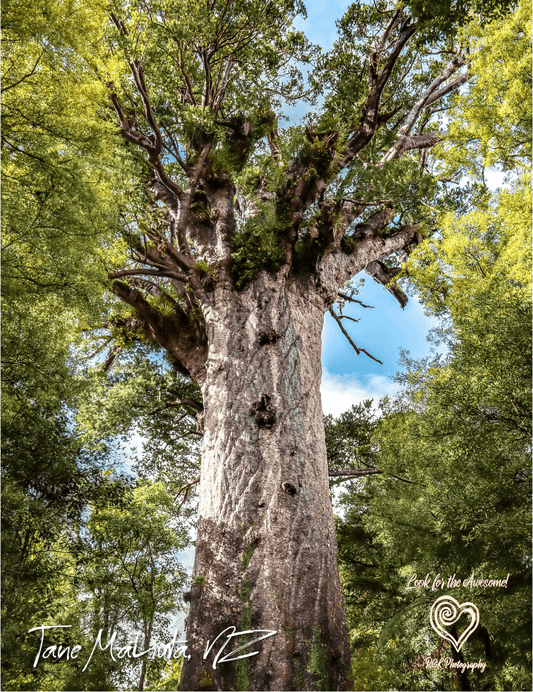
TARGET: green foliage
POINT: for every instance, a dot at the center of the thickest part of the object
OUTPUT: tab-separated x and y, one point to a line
48	479
491	123
455	494
58	195
171	677
60	159
258	246
260	39
441	18
349	438
62	226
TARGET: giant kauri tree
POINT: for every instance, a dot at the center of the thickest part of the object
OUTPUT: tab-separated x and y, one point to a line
249	232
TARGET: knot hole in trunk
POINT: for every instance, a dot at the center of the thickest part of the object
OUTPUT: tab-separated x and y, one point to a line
263	412
268	337
289	488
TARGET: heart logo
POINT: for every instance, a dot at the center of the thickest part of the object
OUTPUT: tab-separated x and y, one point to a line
445	612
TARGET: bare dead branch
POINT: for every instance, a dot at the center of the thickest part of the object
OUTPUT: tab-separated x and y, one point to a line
353	300
186	490
347	317
356	348
368	471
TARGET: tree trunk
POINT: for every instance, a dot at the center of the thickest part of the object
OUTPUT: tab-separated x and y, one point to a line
266	554
147	640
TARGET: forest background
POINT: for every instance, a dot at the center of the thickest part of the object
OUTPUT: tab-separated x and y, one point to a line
100	445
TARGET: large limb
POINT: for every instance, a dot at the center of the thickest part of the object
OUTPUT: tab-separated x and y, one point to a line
368	244
433	93
385	275
183	338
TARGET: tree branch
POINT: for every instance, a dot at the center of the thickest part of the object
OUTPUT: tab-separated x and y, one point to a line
181	335
356	348
353	300
148	272
369	471
430	95
384	275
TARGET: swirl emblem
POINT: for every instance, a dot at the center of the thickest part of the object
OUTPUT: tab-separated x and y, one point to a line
445	612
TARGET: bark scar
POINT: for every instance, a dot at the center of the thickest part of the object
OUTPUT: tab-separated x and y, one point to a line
263	412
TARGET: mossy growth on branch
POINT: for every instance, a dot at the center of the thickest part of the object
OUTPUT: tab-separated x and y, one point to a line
258	246
199	580
247	556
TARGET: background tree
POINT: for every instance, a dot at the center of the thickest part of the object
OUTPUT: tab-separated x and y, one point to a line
454	497
440	18
55	200
454	448
132	575
141	395
62	214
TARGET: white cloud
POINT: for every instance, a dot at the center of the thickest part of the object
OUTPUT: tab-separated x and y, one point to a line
341	392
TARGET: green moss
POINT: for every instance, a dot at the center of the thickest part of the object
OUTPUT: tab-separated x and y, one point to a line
245	592
298	673
199	580
206	680
247	556
241	666
258	246
318	662
241	669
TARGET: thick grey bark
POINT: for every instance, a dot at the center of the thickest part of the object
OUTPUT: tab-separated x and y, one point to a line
266	555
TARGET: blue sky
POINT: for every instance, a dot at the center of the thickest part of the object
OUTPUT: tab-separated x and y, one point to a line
319	27
383	330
